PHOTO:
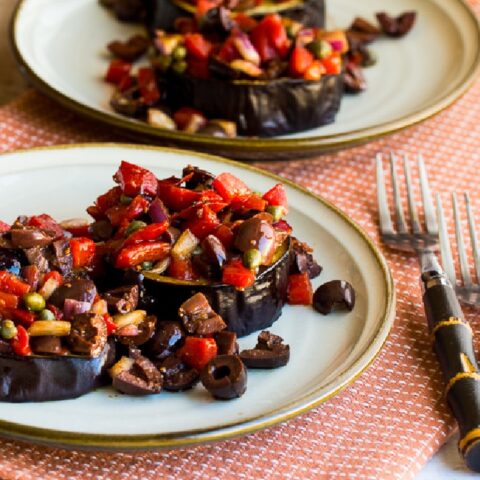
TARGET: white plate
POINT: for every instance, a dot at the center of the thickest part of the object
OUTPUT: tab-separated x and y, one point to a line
327	352
61	46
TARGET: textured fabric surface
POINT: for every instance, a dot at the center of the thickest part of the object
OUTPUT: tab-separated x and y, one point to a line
386	424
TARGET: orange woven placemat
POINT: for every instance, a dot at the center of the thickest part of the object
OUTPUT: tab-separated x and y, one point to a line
385	425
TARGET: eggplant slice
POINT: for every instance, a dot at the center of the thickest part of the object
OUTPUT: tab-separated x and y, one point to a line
161	14
44	378
261	108
244	311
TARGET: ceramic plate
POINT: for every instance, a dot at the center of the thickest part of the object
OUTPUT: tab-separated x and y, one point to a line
61	46
327	352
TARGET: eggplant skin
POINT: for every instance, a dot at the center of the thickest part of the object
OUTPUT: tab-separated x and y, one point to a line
261	108
40	379
161	14
244	311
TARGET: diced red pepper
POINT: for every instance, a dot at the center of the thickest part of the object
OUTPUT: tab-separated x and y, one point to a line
148	233
198	68
83	251
111	325
185	25
249	202
135	180
225	235
203	6
57	276
315	71
21	343
230	187
122	214
147	83
197	351
108	199
4	227
245	22
8	300
299	290
228	51
46	222
176	198
277	196
262	44
332	64
300	60
117	70
236	274
125	83
181	269
31	274
134	255
10	283
283	226
276	33
183	116
203	222
25	317
197	46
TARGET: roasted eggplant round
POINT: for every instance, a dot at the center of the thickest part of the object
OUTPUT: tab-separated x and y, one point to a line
45	378
161	14
261	107
244	311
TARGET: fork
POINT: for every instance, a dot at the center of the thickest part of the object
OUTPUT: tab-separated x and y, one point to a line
452	334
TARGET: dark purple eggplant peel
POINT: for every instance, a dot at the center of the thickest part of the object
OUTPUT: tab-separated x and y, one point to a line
262	107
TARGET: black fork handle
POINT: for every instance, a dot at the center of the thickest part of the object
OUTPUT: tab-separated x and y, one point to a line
453	344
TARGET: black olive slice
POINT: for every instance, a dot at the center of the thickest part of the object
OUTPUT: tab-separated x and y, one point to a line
333	295
146	330
137	376
225	377
270	352
226	343
176	375
198	316
165	340
396	26
88	334
122	299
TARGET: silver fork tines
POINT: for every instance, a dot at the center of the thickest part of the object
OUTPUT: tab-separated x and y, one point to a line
418	239
467	290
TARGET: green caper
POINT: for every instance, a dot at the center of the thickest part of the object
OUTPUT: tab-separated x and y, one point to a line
8	330
370	58
46	315
125	199
34	301
252	258
276	211
146	265
179	53
163	62
134	226
179	66
290	31
320	48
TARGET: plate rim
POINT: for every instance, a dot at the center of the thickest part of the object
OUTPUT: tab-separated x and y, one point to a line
245	147
130	442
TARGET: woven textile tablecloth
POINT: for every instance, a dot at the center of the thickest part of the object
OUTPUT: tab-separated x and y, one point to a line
387	423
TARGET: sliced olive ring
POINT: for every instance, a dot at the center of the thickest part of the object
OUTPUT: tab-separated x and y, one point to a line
225	377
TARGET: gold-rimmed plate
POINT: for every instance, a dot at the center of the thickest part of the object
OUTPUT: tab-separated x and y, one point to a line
61	47
327	352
